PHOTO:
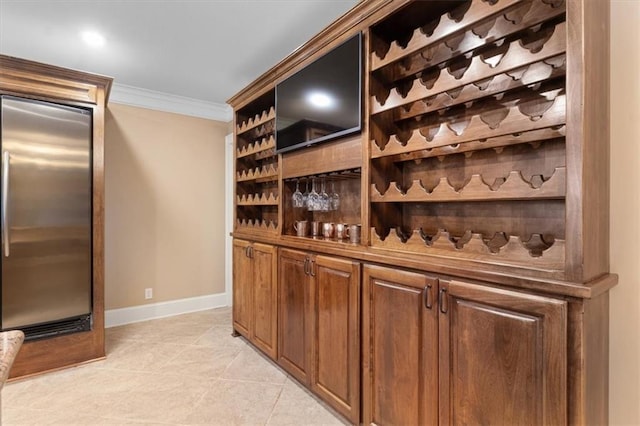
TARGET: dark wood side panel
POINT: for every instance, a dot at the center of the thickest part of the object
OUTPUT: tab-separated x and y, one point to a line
587	139
588	374
503	357
400	348
265	298
336	366
294	320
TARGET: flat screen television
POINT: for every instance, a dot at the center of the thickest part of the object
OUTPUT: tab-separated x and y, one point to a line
322	101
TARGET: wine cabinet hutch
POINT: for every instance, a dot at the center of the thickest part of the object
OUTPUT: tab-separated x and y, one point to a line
478	292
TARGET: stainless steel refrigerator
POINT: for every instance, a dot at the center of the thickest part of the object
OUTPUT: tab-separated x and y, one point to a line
46	217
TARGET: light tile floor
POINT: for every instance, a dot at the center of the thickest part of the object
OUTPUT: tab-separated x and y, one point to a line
182	370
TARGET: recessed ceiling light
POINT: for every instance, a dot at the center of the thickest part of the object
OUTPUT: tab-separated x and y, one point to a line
320	99
92	38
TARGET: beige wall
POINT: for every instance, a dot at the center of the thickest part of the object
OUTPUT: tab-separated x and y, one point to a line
164	206
624	401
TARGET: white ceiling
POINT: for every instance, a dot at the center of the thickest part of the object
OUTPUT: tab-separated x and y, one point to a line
201	50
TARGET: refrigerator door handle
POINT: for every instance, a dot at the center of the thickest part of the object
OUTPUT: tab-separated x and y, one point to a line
6	158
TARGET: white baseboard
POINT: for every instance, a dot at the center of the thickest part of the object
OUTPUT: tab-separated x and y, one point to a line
115	317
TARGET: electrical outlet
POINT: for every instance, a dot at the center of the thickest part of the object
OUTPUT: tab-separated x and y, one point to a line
148	293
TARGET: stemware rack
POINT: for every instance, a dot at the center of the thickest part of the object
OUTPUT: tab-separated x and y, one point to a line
468	121
346	183
256	167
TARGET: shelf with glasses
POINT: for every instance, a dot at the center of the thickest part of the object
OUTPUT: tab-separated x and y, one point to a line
325	198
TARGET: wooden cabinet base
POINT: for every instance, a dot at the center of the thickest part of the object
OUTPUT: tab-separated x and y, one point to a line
46	355
319	327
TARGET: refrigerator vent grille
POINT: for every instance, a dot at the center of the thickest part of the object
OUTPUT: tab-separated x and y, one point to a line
53	329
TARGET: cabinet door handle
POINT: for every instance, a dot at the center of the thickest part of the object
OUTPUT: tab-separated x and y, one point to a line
246	251
443	301
427	296
251	252
306	266
311	261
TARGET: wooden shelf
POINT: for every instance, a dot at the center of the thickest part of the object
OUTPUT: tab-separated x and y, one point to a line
494	29
256	225
419	101
534	137
256	121
264	144
259	174
500	248
448	25
480	71
257	200
479	127
514	187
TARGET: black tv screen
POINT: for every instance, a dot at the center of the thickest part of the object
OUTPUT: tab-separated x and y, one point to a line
322	101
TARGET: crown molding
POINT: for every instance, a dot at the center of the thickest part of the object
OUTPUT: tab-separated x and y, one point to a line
134	96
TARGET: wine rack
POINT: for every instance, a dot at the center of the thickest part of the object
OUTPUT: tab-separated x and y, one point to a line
467	133
256	167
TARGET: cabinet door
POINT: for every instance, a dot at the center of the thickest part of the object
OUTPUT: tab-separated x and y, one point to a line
336	339
294	314
502	357
400	348
265	298
242	288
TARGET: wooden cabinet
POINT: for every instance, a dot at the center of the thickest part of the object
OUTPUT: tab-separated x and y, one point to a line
503	356
294	314
483	163
319	327
400	348
254	295
472	355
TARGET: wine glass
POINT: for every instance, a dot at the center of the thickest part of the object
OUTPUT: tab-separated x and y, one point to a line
324	198
334	198
305	196
297	198
313	203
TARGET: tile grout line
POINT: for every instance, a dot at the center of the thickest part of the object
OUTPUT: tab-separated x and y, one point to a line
273	409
